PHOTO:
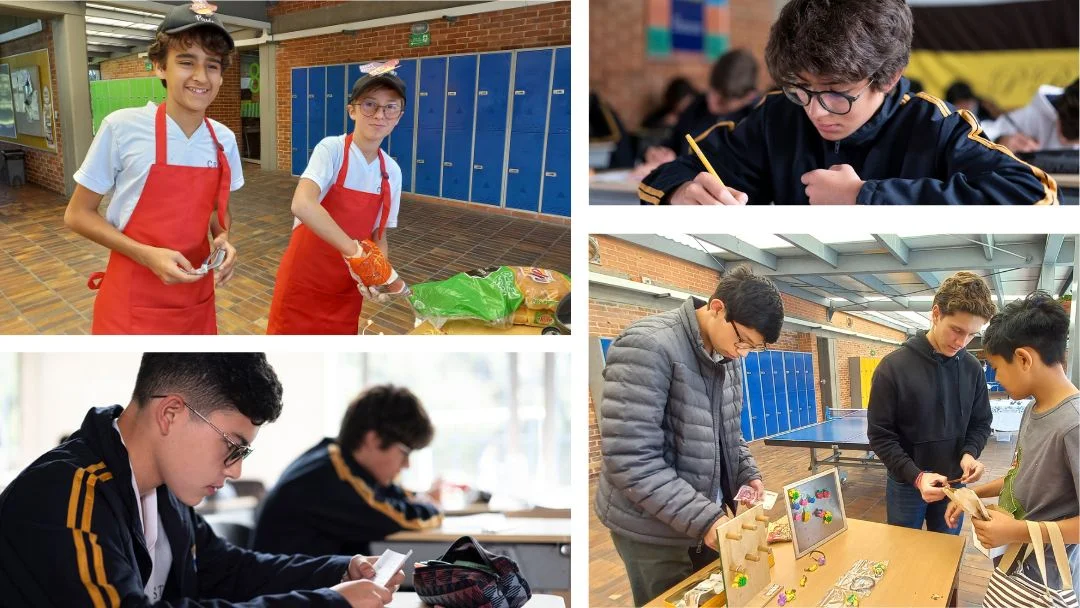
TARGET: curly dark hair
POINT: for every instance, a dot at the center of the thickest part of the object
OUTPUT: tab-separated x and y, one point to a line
244	382
1038	322
210	40
393	412
752	301
842	40
965	292
1068	111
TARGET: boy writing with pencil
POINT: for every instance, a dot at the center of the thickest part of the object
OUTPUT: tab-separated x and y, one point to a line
846	129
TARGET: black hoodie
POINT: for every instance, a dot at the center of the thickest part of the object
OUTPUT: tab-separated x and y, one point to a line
927	410
70	535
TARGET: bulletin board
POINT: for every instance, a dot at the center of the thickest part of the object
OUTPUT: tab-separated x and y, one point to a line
30	79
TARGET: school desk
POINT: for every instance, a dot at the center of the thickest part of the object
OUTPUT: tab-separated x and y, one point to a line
408	599
539	545
924	567
613	188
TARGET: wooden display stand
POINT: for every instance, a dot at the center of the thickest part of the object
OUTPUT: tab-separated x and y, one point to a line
744	549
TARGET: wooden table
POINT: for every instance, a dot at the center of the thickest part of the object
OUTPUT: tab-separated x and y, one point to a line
408	599
924	567
1067	180
613	188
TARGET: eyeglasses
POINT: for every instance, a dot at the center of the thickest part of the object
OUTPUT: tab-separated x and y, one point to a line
369	107
236	453
744	344
834	102
405	450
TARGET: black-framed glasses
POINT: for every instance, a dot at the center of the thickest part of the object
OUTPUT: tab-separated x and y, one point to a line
237	452
834	102
369	107
744	344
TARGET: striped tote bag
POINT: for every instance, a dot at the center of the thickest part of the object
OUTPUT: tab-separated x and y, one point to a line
1015	590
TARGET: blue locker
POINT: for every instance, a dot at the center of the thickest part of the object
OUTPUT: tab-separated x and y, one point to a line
352	74
799	409
744	416
401	150
559	121
557	175
753	394
457	156
791	388
790	382
783	412
428	161
777	371
385	145
299	120
316	122
771	423
811	386
407	73
765	363
336	95
487	167
523	172
492	92
532	77
432	96
460	92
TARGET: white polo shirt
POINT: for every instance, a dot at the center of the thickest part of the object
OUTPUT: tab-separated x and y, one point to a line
124	149
326	160
1038	119
157	542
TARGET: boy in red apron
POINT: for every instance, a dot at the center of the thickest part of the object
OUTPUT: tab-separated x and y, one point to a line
349	192
170	170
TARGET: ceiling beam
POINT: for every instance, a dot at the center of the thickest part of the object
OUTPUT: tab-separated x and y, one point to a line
814	247
740	248
988	246
1047	274
895	245
98	54
879	286
999	290
127	32
660	244
1066	284
930	278
161	7
117	42
802	294
96	48
99	13
833	288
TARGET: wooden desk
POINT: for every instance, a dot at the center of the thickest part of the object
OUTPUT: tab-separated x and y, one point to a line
922	566
605	189
408	599
1066	180
540	546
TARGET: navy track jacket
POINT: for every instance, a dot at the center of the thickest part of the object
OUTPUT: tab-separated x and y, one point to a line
915	150
326	503
70	536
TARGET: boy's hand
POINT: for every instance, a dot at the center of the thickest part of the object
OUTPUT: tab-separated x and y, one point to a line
707	190
710	536
837	185
759	487
953	513
360	567
973	469
364	594
371	293
658	155
1000	530
1019	142
169	266
930	484
225	271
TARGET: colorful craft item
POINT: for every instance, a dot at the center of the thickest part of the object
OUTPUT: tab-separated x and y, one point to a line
802	501
802	581
825	494
793	494
805	516
820	560
790	595
827	517
852	599
781	599
818	512
811	568
818	494
740	580
812	499
879	568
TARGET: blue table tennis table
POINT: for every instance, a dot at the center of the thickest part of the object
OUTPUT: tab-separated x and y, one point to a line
844	429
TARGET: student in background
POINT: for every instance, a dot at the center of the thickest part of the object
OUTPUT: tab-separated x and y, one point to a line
678	95
341	494
1051	121
960	95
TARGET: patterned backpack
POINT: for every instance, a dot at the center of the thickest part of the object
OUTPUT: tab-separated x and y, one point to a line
468	576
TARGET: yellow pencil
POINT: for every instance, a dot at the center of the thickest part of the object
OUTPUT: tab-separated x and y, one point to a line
704	161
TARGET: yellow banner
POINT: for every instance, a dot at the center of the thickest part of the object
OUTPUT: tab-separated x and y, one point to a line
1007	78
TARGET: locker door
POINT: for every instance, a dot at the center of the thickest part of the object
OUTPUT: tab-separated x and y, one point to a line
336	96
299	120
353	74
487	167
492	92
557	175
401	138
800	407
401	150
783	417
790	387
779	392
406	71
432	96
765	363
523	172
771	423
385	145
456	168
316	107
753	394
744	415
428	161
531	79
811	385
559	121
460	93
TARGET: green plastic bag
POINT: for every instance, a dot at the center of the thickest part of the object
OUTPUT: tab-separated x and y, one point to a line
489	295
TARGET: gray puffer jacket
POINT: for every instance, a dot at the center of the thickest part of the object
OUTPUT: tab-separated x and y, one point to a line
670	432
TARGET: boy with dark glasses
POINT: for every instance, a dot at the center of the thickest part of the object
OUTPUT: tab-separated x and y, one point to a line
845	128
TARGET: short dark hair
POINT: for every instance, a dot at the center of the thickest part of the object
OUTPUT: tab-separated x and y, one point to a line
752	301
1038	322
959	91
1068	111
734	74
393	412
244	382
676	90
845	40
210	40
965	292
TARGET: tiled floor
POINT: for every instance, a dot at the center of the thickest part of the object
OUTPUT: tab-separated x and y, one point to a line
864	498
44	266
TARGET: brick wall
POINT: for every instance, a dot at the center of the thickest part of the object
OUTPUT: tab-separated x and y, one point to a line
284	8
632	83
44	168
131	66
534	26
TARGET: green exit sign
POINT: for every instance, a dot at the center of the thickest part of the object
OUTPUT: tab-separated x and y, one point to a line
420	39
149	66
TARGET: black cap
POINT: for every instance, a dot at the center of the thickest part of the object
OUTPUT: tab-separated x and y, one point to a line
196	14
388	79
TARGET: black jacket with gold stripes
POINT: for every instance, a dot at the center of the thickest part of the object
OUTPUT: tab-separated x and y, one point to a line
915	150
326	503
70	536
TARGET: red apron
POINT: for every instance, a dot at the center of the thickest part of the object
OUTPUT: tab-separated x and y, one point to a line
173	212
314	292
